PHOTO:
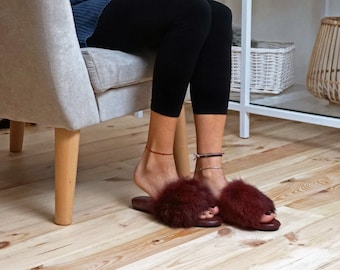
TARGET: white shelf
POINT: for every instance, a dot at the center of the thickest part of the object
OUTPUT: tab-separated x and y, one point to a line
285	105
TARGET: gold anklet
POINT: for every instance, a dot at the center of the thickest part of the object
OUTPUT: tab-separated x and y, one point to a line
158	153
209	168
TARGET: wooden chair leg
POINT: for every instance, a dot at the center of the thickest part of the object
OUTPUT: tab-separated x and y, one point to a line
181	151
66	163
16	136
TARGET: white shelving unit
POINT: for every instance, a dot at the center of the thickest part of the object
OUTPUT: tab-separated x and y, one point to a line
244	104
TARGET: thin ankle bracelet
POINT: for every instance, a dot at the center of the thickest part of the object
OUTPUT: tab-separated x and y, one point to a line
158	153
207	155
209	168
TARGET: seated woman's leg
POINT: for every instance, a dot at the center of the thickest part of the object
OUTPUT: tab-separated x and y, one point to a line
186	25
210	95
176	31
210	87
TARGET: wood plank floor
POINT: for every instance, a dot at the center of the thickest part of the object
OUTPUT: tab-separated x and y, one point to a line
296	164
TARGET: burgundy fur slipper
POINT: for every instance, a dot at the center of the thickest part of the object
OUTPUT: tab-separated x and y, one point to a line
180	205
243	205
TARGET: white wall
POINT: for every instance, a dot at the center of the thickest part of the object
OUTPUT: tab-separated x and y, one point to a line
332	8
297	21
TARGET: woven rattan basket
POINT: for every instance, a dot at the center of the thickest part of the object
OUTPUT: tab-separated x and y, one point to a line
323	77
271	67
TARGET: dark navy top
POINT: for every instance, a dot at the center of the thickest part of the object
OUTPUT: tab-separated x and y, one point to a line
86	14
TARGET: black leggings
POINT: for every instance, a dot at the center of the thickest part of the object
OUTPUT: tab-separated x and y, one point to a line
192	40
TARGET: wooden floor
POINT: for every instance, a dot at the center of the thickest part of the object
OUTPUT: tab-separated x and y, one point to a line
296	164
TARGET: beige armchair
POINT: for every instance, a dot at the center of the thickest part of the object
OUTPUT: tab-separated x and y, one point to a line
45	78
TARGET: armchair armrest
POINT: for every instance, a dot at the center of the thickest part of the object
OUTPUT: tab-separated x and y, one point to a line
43	77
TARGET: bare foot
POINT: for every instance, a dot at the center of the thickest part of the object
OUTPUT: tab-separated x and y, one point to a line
154	172
216	181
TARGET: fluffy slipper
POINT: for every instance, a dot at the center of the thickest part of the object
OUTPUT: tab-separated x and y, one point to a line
180	205
243	205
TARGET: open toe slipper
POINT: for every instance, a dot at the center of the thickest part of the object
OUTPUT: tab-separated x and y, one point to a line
180	205
243	205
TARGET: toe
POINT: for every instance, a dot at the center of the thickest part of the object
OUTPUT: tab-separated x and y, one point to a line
214	210
207	214
210	213
268	217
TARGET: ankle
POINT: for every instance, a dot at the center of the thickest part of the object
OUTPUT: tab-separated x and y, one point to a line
209	169
154	171
208	161
211	173
159	153
208	155
153	162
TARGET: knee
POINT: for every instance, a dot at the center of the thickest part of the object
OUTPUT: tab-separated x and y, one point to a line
222	20
198	8
222	14
195	12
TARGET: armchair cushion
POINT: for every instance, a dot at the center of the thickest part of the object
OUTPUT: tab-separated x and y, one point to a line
109	69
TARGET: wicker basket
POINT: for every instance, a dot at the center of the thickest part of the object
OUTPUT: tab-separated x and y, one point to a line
271	67
323	77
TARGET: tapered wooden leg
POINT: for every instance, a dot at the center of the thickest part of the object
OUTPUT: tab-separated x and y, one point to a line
181	152
66	163
16	136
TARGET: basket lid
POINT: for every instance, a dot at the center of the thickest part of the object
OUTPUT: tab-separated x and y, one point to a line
331	20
